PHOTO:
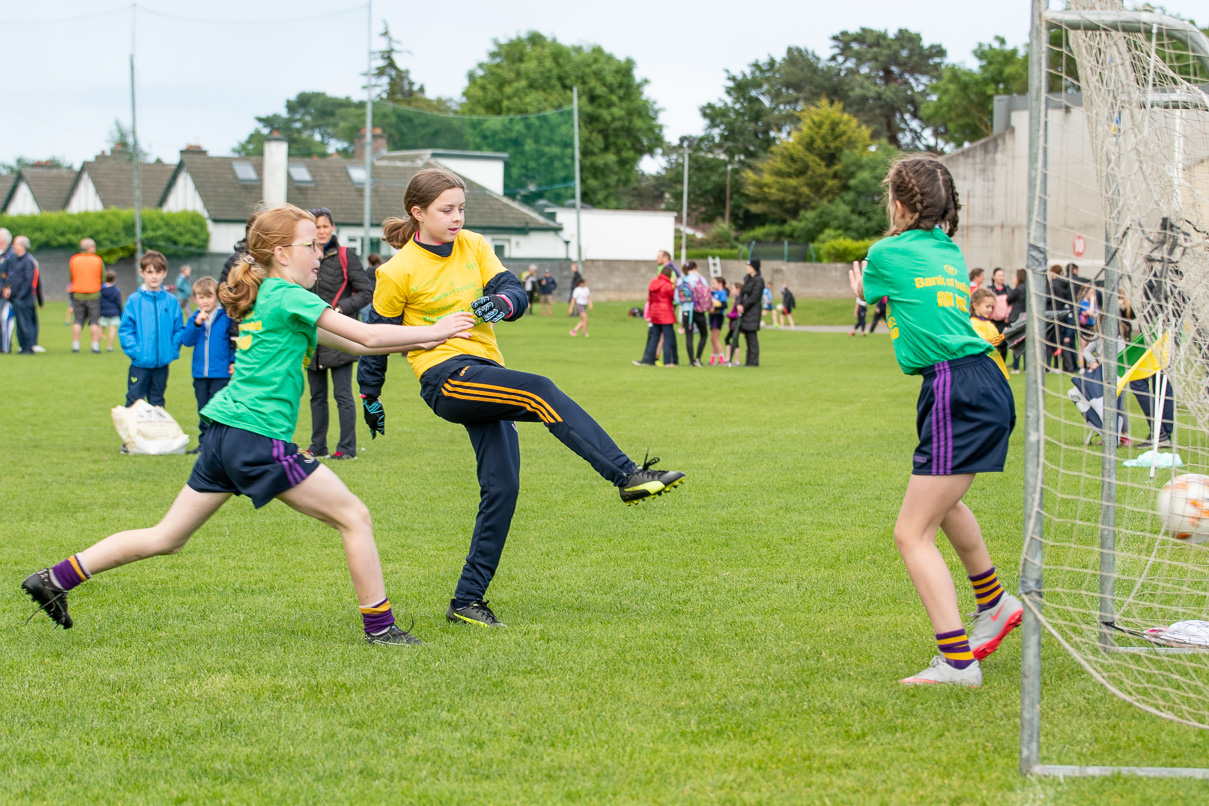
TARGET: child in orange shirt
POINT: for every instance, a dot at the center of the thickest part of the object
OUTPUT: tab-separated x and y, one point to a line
982	302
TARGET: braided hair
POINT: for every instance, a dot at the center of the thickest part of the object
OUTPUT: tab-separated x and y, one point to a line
924	187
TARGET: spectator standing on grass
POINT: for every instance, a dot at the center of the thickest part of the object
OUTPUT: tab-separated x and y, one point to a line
581	298
575	278
343	285
150	332
111	306
531	284
1060	338
767	307
545	286
879	313
371	273
213	352
662	317
1017	307
717	315
87	277
788	303
999	311
6	308
732	331
982	303
20	292
858	312
184	287
38	348
750	315
692	313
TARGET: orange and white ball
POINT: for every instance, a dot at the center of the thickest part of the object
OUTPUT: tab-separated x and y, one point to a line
1183	506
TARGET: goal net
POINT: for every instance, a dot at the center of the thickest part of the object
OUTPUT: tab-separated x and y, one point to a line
1122	195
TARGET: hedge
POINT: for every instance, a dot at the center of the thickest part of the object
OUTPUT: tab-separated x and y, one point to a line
844	250
175	234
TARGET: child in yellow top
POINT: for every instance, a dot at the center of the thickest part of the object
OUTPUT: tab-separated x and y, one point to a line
441	269
982	302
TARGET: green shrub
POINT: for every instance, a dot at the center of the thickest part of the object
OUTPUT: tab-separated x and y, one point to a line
702	254
843	250
175	234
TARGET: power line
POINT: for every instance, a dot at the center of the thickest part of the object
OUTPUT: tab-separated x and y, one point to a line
139	9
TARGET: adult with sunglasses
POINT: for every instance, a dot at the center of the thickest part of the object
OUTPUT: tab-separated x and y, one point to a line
343	284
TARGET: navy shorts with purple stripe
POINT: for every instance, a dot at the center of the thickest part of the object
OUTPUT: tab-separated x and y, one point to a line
965	416
236	461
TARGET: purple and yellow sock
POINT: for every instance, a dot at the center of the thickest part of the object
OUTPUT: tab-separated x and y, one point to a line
69	573
987	589
378	618
955	647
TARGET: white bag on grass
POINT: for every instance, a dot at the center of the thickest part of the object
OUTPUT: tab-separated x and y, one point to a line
148	430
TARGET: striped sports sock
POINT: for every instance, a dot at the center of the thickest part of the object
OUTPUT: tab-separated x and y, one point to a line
987	589
69	573
955	647
378	618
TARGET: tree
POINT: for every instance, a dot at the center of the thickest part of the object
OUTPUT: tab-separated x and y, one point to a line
120	137
395	82
885	81
26	162
961	109
311	124
618	123
808	169
762	104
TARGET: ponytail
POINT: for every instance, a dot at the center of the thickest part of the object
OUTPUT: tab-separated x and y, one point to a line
238	294
398	231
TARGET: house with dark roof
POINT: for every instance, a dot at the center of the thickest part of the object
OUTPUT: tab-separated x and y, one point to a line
38	189
7	181
225	190
107	180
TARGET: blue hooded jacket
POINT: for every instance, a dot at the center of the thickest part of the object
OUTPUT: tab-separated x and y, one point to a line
212	348
151	329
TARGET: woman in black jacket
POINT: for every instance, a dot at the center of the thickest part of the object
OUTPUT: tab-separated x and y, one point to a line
751	297
1017	299
342	284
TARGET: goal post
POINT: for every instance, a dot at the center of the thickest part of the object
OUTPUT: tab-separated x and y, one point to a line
1118	186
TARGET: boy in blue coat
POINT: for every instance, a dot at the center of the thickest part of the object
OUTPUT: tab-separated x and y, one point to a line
150	332
206	332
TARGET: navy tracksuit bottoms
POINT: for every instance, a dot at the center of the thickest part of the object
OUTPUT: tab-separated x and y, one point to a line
489	400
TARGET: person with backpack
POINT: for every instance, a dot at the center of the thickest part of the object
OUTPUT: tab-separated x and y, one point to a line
343	284
695	301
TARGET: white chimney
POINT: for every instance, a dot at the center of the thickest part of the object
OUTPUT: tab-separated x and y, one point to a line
276	157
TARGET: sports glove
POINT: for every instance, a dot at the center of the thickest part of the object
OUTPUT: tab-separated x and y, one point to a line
375	417
492	308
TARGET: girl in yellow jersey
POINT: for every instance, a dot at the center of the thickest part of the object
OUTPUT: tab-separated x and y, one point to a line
441	269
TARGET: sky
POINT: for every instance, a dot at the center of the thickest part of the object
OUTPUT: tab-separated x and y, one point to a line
205	71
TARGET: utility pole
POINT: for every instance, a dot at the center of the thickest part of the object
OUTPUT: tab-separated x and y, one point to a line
684	213
726	217
369	128
579	241
134	152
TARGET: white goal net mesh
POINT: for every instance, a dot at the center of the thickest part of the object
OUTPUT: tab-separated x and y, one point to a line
1124	181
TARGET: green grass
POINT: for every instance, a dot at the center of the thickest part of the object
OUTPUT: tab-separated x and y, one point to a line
737	641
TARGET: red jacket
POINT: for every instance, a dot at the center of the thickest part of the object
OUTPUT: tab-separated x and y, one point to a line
659	297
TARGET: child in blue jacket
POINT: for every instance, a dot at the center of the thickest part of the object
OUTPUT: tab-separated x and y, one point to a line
207	333
150	332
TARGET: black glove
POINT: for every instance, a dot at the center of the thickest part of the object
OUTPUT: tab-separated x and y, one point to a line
492	308
375	417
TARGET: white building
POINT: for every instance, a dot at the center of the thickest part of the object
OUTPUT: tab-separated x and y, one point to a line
617	234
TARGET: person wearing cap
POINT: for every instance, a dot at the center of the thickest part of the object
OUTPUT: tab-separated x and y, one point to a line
750	298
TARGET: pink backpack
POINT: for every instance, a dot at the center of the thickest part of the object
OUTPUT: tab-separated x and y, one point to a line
703	300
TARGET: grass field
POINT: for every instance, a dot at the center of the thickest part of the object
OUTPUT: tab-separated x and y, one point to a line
736	641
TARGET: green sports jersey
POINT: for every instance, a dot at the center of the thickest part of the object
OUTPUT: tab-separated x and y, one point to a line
924	276
275	346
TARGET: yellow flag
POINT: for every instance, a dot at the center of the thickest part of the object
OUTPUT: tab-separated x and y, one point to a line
1150	362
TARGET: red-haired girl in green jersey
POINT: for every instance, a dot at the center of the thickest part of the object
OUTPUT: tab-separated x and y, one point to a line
247	449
